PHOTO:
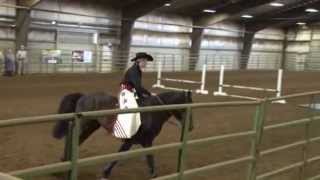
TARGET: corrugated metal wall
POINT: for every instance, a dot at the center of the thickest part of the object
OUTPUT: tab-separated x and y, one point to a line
222	42
298	50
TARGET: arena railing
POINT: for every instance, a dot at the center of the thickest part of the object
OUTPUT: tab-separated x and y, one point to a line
111	61
8	177
71	166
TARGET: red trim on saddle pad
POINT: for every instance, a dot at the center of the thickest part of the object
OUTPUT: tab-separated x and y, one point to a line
126	86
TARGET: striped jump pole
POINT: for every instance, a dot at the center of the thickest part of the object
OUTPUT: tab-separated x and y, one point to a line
159	73
201	90
279	87
220	88
222	85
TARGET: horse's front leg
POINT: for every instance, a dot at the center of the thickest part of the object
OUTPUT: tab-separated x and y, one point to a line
108	168
150	161
90	127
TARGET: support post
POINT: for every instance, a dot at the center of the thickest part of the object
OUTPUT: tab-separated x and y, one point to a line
246	50
284	50
196	39
125	43
22	26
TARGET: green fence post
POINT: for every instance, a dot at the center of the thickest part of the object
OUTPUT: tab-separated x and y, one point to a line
73	175
256	141
307	136
184	139
68	143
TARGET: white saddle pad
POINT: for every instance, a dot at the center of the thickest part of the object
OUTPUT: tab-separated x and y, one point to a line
128	124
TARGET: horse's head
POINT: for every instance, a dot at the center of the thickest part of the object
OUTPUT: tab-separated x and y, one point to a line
174	97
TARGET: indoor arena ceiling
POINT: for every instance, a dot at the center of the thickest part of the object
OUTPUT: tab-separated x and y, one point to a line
261	13
258	13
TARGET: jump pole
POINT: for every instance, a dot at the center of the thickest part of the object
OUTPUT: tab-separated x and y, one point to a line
278	90
199	91
220	89
158	84
203	81
279	87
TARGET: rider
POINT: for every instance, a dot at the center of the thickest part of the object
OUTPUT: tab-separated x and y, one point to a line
132	78
131	96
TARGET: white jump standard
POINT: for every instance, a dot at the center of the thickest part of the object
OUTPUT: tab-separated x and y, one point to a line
202	83
222	85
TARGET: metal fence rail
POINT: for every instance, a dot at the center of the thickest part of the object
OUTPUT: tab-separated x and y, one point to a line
255	134
106	61
7	177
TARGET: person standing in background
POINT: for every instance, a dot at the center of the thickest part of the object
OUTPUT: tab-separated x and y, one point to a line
21	60
9	63
2	60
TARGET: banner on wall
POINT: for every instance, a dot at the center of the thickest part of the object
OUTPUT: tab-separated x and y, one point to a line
51	56
80	56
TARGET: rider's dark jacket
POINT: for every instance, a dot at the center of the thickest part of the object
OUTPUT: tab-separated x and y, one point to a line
133	78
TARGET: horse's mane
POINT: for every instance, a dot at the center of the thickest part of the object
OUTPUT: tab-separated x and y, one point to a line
166	98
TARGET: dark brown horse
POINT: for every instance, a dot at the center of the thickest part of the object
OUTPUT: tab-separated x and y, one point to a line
151	122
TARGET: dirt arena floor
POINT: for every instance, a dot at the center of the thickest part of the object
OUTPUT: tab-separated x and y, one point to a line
29	146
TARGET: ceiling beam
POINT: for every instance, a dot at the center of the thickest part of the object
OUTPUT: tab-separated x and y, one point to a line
220	5
29	3
230	12
194	7
210	20
140	8
307	19
287	16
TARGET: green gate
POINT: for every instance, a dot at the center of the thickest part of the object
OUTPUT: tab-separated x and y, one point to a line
256	133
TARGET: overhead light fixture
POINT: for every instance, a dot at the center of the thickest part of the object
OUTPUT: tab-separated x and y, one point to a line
301	23
167	4
209	11
275	4
312	10
53	22
247	16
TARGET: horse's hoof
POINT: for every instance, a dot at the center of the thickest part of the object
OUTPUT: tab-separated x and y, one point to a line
153	175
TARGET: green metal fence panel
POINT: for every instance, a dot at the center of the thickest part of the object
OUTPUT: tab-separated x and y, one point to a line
8	177
75	147
258	128
74	163
92	114
307	137
271	174
183	149
207	168
42	170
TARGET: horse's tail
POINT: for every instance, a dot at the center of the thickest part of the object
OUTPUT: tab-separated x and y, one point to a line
67	105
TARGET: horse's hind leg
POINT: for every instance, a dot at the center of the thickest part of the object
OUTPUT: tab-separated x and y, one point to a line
107	170
150	162
86	130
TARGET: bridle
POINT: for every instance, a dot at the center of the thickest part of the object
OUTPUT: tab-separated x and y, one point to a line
170	112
